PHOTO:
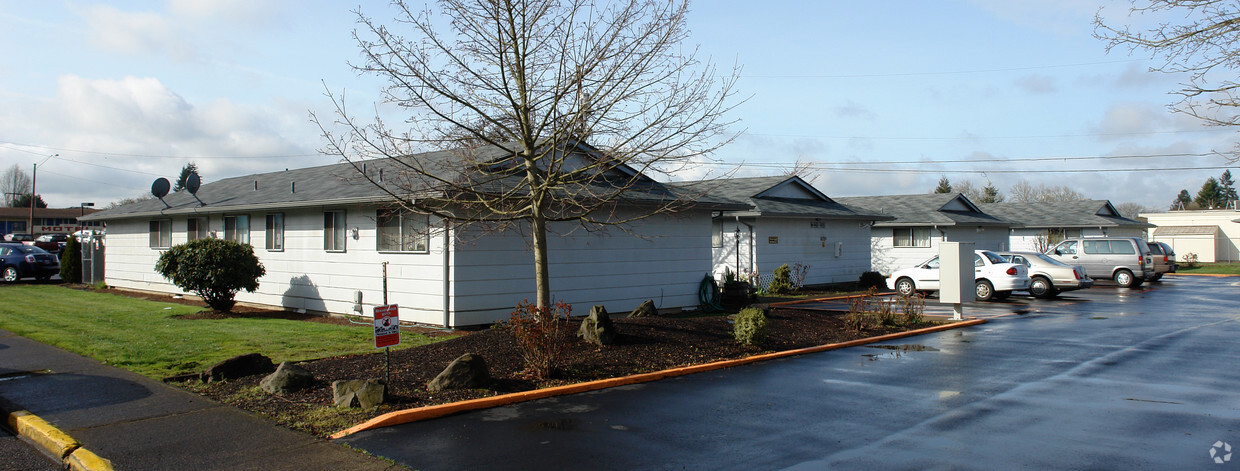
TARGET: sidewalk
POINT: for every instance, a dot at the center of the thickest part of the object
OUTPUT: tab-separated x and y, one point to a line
139	423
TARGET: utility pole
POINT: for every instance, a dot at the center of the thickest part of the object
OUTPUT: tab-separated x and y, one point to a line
34	182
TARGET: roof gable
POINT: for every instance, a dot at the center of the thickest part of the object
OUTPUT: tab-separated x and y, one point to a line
1061	214
925	209
793	188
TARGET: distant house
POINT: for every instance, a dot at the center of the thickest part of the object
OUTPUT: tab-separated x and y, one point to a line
1211	235
327	236
785	220
920	221
1038	226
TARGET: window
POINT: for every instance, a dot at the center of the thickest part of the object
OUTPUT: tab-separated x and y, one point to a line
333	231
1068	248
403	231
237	228
1123	247
716	234
911	237
161	234
275	232
1097	246
196	228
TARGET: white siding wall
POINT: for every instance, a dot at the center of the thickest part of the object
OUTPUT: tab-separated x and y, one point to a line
797	242
724	258
303	275
887	258
1025	240
665	262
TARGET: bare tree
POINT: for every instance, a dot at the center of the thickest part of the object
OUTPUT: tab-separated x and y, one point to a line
1025	192
511	91
1194	37
14	184
1133	210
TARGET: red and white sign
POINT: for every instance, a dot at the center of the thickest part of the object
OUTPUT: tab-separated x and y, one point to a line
387	326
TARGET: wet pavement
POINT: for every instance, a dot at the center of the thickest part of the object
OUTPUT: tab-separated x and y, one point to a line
1103	378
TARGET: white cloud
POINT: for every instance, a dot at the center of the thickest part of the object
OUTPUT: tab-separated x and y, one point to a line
1121	121
1037	84
852	109
133	33
235	11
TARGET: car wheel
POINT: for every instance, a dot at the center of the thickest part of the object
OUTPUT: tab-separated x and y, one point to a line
1124	279
983	291
10	274
905	287
1040	287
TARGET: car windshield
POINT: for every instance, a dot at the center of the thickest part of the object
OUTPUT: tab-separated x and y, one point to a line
1048	259
993	257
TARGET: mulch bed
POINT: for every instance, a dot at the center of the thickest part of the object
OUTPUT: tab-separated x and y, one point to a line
643	345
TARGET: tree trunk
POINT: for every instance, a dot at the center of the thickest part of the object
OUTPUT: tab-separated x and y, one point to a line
542	279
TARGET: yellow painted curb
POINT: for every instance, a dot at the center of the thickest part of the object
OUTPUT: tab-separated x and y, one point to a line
430	412
830	298
84	460
43	434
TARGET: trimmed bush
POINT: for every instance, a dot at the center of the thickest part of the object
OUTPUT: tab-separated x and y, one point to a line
541	335
872	279
782	283
750	326
214	269
71	261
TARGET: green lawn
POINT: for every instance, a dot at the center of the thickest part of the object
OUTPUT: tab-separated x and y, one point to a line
1223	268
145	337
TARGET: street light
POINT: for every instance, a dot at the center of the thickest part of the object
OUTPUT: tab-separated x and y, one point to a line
84	205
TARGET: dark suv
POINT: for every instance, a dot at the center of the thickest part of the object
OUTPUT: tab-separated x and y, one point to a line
19	261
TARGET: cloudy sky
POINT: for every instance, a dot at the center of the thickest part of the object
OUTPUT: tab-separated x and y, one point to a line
881	97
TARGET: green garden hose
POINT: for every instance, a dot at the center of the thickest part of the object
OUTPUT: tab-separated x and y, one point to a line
708	295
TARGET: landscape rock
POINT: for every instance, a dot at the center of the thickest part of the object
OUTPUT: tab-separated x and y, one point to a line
467	371
597	328
367	394
645	310
239	367
288	378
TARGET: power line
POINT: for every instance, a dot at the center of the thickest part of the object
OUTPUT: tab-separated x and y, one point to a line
826	165
954	72
984	138
151	156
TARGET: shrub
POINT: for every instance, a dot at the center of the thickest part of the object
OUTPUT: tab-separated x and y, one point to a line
540	333
866	311
913	307
1190	260
71	261
799	272
214	269
782	282
750	325
872	279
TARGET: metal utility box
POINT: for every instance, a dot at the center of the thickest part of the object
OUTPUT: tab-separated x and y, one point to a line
956	275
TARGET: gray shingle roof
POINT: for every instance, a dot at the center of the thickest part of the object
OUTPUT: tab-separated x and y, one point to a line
746	191
925	209
341	184
1081	213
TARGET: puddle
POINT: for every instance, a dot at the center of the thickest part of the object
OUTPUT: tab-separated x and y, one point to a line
905	348
558	424
884	356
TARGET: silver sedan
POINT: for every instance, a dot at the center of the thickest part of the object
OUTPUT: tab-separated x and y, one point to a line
1049	277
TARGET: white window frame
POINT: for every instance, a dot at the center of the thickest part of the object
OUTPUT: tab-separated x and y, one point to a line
334	222
912	237
160	234
408	235
238	233
274	232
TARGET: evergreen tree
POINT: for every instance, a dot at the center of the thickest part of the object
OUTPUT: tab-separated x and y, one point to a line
23	201
71	261
1227	187
1182	201
186	171
944	186
1210	195
990	194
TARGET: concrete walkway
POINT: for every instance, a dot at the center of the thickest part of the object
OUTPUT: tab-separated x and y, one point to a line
138	423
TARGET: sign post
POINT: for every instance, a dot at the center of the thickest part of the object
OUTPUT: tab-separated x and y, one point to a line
387	334
956	275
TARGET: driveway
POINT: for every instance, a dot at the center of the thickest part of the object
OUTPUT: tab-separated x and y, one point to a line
1105	378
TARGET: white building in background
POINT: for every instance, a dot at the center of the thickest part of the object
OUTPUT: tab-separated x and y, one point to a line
1038	226
1211	235
324	235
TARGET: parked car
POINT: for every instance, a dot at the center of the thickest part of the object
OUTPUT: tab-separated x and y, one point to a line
19	261
1164	259
18	238
1126	260
54	243
995	277
1049	277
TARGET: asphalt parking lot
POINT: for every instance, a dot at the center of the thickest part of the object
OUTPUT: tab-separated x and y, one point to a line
1105	378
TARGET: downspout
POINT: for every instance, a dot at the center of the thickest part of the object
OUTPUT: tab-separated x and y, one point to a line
447	283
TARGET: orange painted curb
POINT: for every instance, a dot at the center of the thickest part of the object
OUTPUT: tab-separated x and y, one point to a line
431	412
831	298
1199	274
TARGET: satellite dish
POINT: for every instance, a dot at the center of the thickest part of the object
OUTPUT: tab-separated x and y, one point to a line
160	187
192	183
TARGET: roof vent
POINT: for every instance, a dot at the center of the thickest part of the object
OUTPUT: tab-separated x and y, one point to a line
255	185
292	187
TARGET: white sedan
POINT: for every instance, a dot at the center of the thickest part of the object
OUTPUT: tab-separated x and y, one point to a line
995	278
